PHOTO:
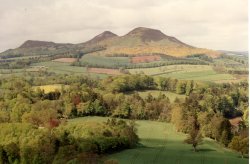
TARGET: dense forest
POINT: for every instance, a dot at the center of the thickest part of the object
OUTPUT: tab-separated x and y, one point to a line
34	123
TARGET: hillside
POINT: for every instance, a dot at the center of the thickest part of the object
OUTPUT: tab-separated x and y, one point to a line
160	143
139	41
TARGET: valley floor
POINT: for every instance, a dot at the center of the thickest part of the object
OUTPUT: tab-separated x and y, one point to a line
160	143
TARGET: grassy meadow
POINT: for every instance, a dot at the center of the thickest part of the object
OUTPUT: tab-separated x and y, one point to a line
160	143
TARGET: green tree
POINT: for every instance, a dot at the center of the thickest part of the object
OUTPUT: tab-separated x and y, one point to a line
189	87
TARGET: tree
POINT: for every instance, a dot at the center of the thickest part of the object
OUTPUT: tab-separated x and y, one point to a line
240	144
181	87
189	87
194	135
194	138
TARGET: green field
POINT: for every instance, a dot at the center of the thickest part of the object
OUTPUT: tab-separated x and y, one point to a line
105	61
66	68
160	143
185	72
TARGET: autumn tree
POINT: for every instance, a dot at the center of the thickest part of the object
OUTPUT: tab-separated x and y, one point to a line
194	135
240	144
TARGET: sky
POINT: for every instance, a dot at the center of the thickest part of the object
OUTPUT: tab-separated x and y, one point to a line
213	24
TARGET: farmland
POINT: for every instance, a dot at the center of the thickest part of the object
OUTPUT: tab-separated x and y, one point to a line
66	68
103	61
160	143
186	72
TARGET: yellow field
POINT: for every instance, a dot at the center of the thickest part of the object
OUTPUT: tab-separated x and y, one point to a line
50	88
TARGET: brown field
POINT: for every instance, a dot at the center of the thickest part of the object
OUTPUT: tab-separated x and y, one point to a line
65	60
145	59
104	71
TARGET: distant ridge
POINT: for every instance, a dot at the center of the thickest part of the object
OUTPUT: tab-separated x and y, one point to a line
36	43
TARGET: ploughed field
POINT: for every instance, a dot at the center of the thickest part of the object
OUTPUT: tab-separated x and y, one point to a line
160	143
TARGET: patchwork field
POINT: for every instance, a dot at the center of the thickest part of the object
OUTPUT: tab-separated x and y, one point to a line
160	143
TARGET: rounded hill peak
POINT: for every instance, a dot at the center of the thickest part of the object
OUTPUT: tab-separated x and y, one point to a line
36	43
147	34
101	37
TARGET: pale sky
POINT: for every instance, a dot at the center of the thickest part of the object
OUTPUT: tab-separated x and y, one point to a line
214	24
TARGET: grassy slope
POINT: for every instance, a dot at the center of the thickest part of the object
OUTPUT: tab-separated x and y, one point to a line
160	143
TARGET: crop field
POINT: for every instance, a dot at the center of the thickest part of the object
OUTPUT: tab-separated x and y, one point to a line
65	60
104	71
145	58
155	93
160	143
50	88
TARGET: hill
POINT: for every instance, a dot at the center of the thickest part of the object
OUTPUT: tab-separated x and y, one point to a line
145	41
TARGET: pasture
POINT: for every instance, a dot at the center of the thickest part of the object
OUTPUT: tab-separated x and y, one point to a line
160	143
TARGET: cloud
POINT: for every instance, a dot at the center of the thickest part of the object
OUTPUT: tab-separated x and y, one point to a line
221	24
